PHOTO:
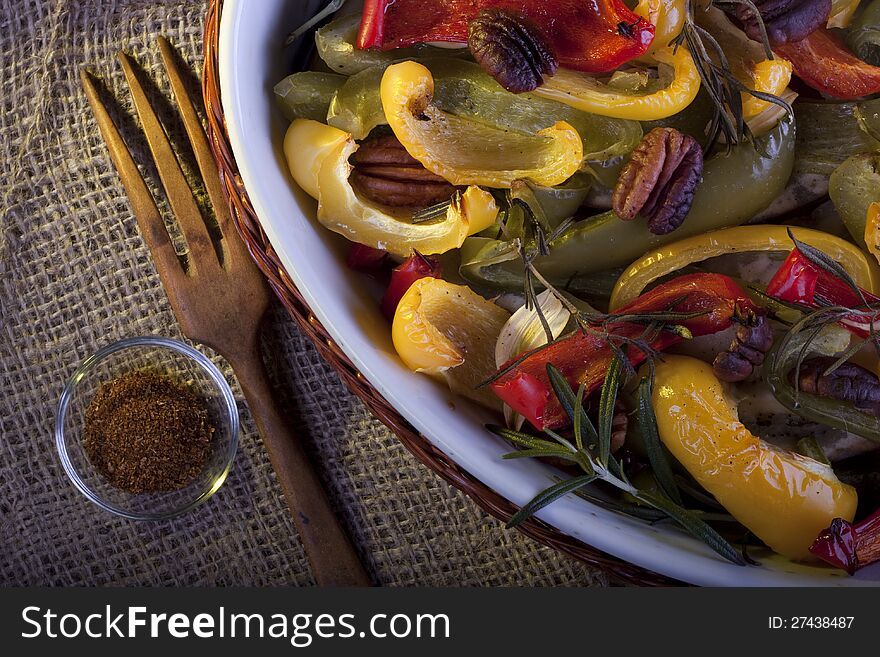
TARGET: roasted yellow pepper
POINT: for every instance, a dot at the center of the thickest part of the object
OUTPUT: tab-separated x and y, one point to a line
306	144
317	156
770	76
449	331
785	499
667	16
587	94
747	61
468	152
872	230
740	239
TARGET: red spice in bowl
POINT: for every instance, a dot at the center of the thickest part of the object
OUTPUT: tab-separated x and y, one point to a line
146	433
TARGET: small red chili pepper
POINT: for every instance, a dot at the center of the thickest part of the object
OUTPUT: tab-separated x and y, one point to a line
366	258
849	546
828	66
585	356
596	36
403	276
800	281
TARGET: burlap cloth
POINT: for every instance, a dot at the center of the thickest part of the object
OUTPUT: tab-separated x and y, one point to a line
75	275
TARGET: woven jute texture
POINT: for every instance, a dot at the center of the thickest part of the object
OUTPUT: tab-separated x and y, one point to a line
75	275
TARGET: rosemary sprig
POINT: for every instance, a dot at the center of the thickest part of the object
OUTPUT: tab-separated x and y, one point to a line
435	211
653	446
595	470
717	79
646	513
330	8
607	401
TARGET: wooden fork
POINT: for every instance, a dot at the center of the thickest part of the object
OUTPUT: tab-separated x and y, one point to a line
220	301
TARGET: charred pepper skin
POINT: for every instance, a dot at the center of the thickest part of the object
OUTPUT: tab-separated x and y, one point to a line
585	36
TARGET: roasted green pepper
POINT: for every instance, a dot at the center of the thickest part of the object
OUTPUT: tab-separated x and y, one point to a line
493	265
736	185
863	35
554	204
335	43
357	107
854	185
307	95
828	133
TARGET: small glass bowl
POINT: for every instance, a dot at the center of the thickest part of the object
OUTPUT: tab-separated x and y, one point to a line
182	364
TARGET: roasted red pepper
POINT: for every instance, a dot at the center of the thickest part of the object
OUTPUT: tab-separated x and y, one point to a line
403	276
366	258
595	36
585	356
825	64
801	281
850	545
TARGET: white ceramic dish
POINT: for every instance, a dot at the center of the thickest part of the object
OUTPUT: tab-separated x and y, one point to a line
251	61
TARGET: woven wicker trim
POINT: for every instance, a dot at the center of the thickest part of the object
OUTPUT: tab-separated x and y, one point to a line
265	257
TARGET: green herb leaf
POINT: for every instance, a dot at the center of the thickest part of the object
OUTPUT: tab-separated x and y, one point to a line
568	400
647	513
808	446
433	211
653	446
607	401
578	417
827	263
550	495
694	526
543	453
521	439
854	348
698	494
562	441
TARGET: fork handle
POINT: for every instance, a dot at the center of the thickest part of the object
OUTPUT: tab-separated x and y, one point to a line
331	554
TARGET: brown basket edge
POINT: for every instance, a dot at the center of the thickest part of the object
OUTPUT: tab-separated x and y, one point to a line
251	232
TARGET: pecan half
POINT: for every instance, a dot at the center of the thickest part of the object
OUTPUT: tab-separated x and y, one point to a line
752	341
849	382
659	180
386	174
786	21
512	49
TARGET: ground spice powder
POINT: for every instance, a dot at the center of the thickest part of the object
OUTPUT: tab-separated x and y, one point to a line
146	433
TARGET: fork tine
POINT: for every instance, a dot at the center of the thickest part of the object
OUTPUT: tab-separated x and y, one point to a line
180	196
197	139
145	211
